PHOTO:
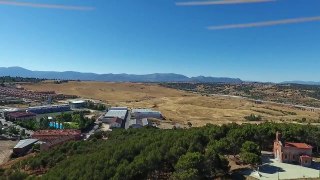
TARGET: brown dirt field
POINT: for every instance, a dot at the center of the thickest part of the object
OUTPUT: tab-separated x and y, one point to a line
176	105
6	150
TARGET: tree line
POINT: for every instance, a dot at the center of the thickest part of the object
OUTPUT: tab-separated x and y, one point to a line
94	106
149	153
74	120
9	79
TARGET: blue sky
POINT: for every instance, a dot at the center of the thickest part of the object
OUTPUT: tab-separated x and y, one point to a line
148	36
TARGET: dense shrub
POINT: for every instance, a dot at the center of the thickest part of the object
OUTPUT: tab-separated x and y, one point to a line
253	117
195	153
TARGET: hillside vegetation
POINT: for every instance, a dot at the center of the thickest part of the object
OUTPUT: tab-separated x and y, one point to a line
9	79
308	95
196	153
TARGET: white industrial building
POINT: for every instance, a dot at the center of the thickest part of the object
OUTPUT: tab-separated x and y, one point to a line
138	123
77	104
122	114
119	108
115	113
146	113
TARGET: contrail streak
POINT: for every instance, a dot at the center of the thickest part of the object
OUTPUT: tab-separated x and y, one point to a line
266	23
49	6
220	2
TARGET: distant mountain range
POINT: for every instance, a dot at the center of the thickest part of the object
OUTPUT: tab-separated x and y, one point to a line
71	75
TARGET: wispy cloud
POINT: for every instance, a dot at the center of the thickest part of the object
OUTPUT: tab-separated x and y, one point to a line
266	23
49	6
221	2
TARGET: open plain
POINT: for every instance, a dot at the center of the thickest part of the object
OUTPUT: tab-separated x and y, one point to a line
179	106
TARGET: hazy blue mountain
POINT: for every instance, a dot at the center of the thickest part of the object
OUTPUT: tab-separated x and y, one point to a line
302	82
215	79
71	75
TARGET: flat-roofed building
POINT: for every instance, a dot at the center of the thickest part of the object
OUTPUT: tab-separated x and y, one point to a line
115	114
24	146
138	123
146	113
77	104
118	108
6	111
20	116
49	109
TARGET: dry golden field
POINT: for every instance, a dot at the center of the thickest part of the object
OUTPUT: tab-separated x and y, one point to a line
108	92
177	106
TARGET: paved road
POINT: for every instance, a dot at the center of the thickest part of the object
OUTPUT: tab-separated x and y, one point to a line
272	169
94	128
92	131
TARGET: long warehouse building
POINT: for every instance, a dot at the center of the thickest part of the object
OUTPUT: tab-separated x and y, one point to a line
120	113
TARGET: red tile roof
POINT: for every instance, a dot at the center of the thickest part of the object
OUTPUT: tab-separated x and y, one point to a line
65	132
52	142
298	145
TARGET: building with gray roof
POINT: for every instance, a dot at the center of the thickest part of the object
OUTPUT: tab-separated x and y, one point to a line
77	104
118	108
116	113
121	113
146	113
24	146
138	123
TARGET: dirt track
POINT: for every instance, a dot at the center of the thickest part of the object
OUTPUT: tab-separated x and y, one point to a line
6	150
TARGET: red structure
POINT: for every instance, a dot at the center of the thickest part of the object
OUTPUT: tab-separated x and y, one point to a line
289	152
49	135
33	95
18	116
55	142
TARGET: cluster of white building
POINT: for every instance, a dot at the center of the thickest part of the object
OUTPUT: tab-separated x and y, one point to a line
122	117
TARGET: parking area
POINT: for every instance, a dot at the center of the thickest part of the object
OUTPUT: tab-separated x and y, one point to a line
272	169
